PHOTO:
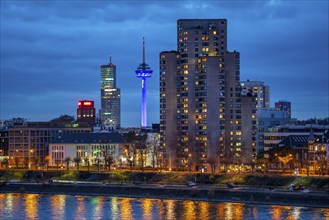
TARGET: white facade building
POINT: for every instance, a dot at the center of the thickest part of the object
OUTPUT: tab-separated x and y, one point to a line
89	146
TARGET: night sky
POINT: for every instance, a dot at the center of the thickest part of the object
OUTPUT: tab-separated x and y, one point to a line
51	51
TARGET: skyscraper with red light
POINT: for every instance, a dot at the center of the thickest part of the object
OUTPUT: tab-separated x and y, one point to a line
86	112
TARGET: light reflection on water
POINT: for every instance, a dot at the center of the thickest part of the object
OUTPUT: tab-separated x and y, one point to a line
38	206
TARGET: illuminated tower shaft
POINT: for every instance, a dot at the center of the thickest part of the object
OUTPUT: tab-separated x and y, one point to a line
143	71
144	111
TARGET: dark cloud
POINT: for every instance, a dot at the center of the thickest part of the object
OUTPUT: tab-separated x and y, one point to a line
51	51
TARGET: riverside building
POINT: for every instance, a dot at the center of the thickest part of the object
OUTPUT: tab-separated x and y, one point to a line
89	147
200	103
28	143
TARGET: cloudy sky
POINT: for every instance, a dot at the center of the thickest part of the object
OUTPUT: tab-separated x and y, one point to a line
51	51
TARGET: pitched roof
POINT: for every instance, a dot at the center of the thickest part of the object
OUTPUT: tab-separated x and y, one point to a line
295	141
90	138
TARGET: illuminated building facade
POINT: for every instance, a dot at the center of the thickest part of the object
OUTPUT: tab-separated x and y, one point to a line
28	143
268	119
143	71
86	112
91	146
200	103
110	97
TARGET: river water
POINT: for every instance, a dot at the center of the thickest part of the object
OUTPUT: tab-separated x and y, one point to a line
40	206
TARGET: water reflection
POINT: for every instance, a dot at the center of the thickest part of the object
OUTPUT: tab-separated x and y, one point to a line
168	208
325	213
98	209
31	208
57	203
204	209
37	206
189	210
115	208
233	210
80	209
147	208
125	208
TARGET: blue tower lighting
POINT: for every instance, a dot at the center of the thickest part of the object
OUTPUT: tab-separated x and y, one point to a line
143	71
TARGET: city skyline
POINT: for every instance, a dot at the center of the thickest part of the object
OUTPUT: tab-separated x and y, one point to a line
50	58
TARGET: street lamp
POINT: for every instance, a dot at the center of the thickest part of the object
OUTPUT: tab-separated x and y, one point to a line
30	153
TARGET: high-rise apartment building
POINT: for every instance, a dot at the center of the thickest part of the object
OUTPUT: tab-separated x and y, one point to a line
249	128
110	97
255	95
168	105
259	90
86	112
283	106
200	103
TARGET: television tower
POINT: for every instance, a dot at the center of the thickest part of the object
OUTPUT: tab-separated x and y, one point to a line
143	71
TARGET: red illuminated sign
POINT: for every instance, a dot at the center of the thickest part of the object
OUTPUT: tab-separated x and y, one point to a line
85	103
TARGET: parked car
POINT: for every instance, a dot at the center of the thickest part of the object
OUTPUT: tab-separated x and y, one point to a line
135	182
190	183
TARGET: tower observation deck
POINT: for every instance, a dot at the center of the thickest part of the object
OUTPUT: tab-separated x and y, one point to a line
143	71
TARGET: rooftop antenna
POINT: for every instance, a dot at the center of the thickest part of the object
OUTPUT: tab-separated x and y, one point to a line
110	59
143	50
